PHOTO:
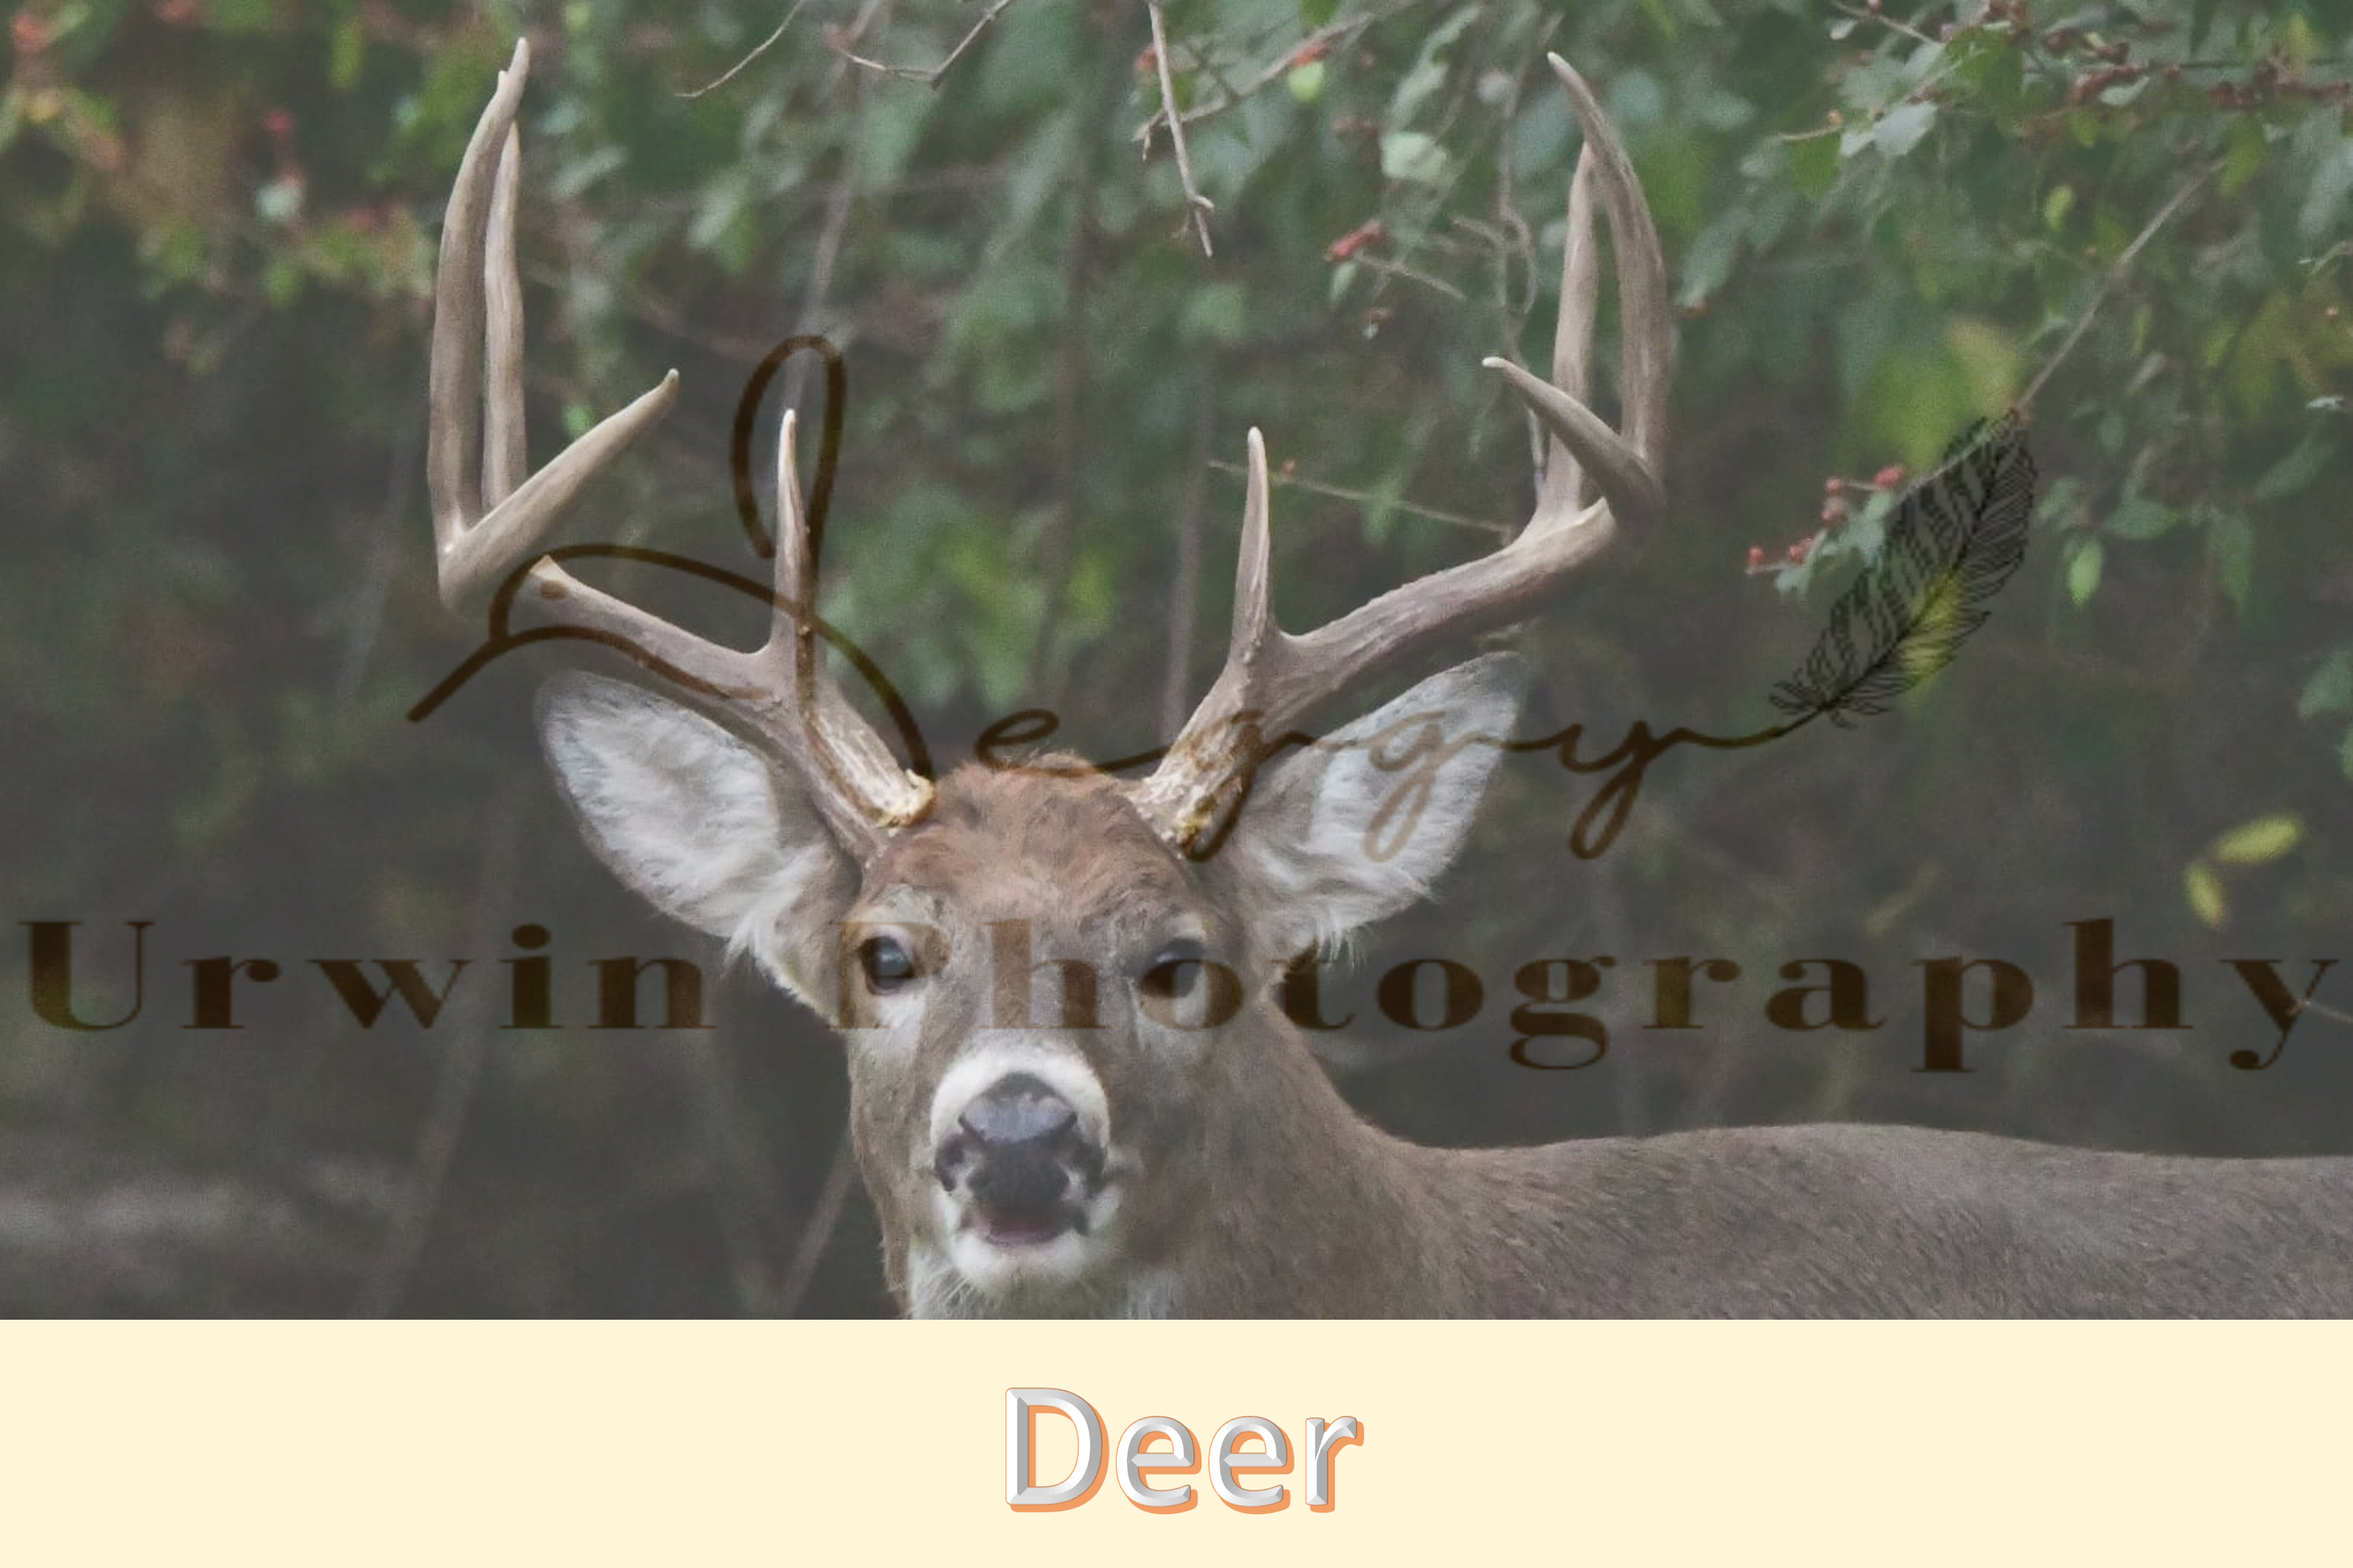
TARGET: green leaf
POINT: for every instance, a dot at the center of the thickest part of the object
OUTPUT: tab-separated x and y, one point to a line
1214	313
2201	20
1813	163
2332	181
1988	358
2259	842
2231	543
2138	518
345	55
1867	532
2205	890
2245	154
1709	260
2330	689
2084	570
1381	501
1991	66
1413	158
2298	469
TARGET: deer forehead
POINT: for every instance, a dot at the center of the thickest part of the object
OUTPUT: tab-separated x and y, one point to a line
1062	850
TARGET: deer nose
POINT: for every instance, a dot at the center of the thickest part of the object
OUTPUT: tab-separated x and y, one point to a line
1016	1115
1018	1124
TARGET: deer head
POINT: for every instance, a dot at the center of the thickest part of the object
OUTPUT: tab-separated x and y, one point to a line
1072	1090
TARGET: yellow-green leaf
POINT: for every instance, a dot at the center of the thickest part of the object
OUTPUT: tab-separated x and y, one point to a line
2261	841
2083	570
2205	890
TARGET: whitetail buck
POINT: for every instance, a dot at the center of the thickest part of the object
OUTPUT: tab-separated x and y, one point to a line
1122	1158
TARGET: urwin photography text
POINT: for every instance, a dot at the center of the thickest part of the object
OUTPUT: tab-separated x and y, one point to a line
1958	995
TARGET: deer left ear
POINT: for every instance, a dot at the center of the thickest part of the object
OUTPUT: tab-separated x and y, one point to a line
1356	826
698	822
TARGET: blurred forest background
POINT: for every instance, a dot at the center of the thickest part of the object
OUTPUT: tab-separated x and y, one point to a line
217	222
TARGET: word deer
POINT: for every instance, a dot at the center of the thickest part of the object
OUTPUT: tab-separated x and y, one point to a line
1168	1145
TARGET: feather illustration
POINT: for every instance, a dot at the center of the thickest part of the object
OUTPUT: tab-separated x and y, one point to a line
1952	542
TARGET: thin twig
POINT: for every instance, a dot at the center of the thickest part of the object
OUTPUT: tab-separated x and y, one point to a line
2108	279
467	1019
991	14
1276	69
732	72
930	76
1903	27
735	1175
1410	274
1197	203
365	619
825	1218
1366	498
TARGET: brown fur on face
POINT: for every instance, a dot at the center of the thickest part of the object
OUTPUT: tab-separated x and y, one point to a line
1054	847
1051	833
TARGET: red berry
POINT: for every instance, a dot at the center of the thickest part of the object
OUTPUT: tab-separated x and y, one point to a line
1366	233
1756	556
1833	486
1889	477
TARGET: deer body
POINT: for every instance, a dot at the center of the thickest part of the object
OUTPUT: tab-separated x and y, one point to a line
1073	1091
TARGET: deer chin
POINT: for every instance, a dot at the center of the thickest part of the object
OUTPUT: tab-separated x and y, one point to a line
1027	1261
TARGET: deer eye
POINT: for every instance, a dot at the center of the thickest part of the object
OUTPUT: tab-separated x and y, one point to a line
1175	972
885	962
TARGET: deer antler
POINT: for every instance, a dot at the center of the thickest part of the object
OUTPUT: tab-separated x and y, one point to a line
485	527
1272	677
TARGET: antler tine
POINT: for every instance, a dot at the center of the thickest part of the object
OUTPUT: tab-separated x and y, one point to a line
1625	467
1254	572
1272	678
487	523
1560	482
861	786
506	453
455	396
478	328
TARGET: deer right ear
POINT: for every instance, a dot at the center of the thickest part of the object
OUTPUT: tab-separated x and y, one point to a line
1355	827
698	823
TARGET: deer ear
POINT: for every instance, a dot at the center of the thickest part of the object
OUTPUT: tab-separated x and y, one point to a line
694	819
1355	827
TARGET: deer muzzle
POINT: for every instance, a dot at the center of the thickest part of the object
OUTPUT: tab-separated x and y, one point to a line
1024	1162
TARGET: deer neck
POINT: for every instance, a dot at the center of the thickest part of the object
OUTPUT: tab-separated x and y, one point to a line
1311	1210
